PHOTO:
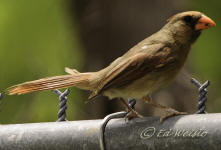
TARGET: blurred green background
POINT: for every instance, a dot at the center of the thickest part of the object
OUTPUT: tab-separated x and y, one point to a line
40	38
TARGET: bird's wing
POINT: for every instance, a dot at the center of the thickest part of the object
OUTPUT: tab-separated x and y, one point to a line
136	66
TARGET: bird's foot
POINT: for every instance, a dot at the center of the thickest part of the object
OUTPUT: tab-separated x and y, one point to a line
132	114
171	112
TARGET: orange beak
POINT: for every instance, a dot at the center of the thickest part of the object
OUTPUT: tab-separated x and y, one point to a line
204	23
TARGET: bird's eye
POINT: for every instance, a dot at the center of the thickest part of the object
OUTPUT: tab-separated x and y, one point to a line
188	19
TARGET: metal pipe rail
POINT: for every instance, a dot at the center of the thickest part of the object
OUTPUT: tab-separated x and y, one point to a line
189	132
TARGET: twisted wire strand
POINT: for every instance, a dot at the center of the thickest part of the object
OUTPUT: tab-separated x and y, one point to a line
202	98
62	104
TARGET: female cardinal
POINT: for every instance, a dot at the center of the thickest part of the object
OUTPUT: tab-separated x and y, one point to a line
148	66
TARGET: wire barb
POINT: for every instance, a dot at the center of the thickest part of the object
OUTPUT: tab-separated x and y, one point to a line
202	95
62	104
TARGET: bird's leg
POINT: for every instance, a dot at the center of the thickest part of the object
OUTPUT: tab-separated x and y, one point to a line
170	111
132	113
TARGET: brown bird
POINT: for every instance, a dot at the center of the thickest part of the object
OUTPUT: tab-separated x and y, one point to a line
148	66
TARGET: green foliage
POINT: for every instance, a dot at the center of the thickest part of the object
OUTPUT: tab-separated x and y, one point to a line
37	40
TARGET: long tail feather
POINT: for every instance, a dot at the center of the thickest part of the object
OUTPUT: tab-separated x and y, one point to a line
79	80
